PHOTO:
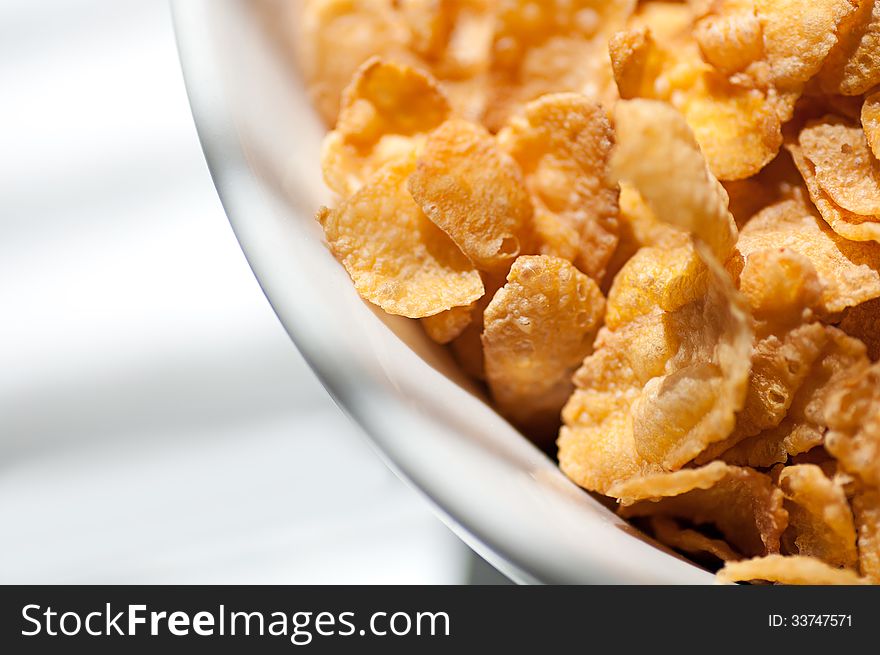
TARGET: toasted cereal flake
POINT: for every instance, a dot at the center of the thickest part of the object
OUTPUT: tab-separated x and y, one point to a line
656	486
853	414
549	47
737	127
853	227
366	27
386	111
639	228
653	139
781	286
730	36
667	376
670	533
743	504
853	66
475	193
396	257
848	271
843	164
446	326
782	289
656	278
795	570
454	39
596	444
798	38
866	508
820	521
779	368
870	118
562	143
537	329
807	420
863	322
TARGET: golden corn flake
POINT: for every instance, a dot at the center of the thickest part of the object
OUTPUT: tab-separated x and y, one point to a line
667	379
798	38
454	39
853	414
549	47
639	228
655	486
364	27
562	143
870	118
866	508
670	533
781	286
843	164
656	278
808	416
475	193
446	326
863	322
396	257
779	368
730	36
849	272
797	569
847	224
652	139
736	127
853	66
820	521
386	110
744	505
537	330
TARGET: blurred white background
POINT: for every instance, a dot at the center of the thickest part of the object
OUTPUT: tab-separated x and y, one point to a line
156	424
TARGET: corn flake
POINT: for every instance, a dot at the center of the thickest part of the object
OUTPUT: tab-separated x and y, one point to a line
537	330
668	374
820	521
843	165
847	224
807	420
475	193
366	27
562	143
550	47
853	414
386	111
853	66
849	272
395	256
796	569
743	504
449	325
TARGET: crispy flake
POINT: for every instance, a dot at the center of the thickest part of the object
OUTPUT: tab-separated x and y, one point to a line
396	257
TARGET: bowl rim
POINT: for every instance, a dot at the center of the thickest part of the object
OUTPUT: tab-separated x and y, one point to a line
225	156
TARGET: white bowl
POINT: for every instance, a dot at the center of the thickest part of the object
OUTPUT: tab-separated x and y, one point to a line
503	496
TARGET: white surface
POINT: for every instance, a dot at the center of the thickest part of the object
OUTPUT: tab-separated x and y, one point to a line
156	425
509	500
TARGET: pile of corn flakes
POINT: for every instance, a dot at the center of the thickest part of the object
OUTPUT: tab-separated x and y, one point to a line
652	229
